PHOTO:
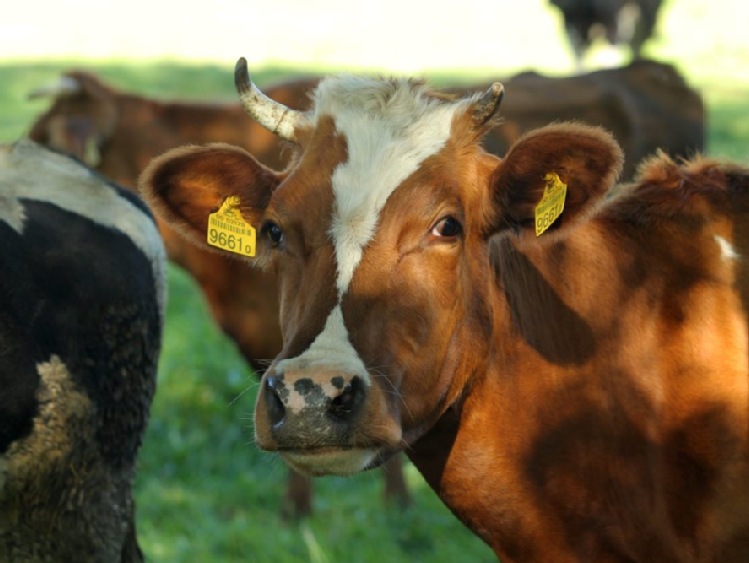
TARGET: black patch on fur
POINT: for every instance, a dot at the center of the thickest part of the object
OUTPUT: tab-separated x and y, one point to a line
84	292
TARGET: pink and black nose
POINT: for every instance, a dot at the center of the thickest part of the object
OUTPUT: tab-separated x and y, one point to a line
304	403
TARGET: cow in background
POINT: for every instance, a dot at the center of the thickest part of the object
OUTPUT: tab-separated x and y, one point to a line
647	105
82	296
567	366
630	22
118	133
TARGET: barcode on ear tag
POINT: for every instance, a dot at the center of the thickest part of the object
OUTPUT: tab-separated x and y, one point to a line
228	230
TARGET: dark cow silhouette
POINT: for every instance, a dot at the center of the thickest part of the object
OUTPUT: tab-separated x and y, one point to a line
619	22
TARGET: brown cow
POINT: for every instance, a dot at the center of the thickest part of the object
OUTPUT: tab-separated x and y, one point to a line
647	105
579	393
118	133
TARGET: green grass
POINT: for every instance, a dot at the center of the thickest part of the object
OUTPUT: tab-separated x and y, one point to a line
204	491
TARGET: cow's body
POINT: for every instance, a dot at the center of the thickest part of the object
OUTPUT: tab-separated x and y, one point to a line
646	105
81	313
581	394
630	22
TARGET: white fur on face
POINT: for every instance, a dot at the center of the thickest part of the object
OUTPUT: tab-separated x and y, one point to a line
390	128
331	347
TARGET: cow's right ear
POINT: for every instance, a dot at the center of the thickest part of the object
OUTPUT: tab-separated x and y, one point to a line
185	185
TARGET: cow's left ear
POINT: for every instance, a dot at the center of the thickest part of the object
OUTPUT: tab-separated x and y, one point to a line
552	176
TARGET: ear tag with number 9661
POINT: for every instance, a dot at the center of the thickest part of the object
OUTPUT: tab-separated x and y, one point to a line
228	230
551	205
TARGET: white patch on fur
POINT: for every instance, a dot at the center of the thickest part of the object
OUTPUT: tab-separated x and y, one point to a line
60	403
727	250
331	347
12	213
28	170
390	127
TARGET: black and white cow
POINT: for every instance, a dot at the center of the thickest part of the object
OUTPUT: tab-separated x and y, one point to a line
82	291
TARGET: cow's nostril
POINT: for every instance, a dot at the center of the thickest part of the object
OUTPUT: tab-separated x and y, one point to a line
273	402
348	402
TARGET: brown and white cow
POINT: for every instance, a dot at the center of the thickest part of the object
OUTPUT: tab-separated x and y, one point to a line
581	394
118	133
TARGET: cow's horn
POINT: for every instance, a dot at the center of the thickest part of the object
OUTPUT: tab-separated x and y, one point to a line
63	86
274	116
488	104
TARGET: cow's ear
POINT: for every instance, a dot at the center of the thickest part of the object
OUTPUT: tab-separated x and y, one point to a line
551	177
187	184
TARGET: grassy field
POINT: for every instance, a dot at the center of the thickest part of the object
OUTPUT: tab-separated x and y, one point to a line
204	491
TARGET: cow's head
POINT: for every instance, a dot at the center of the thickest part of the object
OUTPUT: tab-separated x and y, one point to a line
381	238
81	118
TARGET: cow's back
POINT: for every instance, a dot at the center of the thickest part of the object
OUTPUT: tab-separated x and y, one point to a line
81	313
647	105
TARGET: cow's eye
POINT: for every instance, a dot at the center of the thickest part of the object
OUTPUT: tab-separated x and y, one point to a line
447	227
273	232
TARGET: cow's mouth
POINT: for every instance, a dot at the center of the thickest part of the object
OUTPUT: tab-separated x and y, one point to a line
330	460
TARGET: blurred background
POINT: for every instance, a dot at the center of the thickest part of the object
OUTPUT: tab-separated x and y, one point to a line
204	492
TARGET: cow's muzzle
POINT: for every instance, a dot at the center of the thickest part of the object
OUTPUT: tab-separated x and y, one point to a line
324	421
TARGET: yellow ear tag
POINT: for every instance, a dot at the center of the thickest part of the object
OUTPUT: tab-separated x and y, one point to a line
551	205
228	230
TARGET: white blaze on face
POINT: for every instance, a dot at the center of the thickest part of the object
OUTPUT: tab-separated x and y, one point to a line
390	128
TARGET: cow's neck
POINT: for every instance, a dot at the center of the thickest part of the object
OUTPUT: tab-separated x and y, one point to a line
572	409
476	457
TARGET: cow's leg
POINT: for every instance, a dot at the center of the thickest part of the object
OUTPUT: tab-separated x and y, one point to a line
396	489
297	502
